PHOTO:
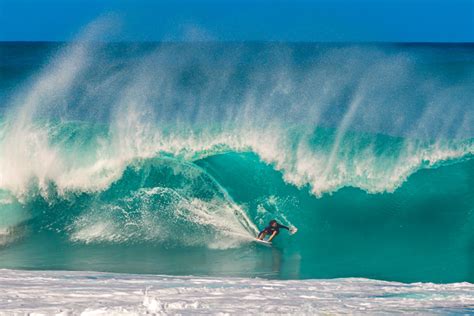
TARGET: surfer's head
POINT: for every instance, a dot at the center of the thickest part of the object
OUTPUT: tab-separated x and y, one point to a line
273	223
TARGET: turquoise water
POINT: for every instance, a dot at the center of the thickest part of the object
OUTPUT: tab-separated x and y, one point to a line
168	159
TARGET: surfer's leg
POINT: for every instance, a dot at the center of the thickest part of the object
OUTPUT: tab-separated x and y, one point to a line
273	235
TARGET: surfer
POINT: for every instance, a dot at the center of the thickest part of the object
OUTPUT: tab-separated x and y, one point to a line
272	229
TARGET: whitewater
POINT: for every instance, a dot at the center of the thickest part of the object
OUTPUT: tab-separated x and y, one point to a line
156	164
92	293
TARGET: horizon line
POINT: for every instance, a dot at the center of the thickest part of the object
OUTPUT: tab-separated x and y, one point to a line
242	42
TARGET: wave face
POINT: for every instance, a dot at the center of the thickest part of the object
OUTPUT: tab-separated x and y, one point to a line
168	158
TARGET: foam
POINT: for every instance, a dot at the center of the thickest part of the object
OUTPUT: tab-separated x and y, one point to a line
166	216
92	293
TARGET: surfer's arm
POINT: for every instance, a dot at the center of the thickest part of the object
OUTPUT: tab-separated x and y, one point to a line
272	236
283	226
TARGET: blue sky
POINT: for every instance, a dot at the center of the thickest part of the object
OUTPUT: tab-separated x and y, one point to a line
232	20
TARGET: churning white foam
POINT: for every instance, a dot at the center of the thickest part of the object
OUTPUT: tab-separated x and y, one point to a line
92	293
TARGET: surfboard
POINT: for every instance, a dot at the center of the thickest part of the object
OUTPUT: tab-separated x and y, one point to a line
263	242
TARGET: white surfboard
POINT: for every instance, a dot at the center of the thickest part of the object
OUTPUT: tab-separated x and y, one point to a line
263	242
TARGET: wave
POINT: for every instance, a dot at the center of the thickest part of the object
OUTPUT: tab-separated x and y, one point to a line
327	117
171	146
175	208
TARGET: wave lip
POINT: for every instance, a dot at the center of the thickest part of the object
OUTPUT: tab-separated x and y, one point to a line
79	157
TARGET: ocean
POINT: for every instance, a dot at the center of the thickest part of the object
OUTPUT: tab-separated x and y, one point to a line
168	158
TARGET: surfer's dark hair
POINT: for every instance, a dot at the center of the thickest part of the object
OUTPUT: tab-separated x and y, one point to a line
273	221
